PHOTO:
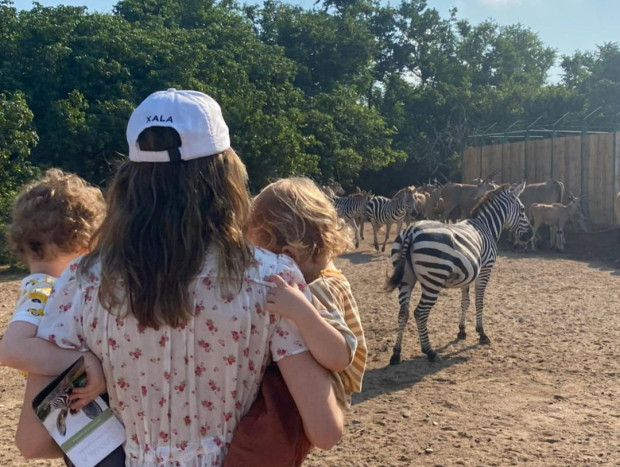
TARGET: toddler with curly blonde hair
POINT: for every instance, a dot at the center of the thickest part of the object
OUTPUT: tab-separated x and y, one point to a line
294	217
54	219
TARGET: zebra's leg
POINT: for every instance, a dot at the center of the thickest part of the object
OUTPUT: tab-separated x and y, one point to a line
404	297
403	317
427	300
388	227
481	285
375	227
356	231
361	222
464	307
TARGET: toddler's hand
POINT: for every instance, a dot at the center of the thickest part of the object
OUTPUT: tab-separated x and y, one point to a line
284	299
95	383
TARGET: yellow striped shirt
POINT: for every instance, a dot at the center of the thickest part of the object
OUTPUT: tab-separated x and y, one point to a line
333	298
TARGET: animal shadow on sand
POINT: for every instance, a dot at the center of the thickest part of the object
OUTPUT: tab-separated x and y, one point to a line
363	257
392	378
602	257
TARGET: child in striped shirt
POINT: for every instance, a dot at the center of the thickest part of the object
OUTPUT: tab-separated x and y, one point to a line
294	217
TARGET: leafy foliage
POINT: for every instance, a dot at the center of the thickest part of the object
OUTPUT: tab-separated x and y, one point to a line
16	139
368	93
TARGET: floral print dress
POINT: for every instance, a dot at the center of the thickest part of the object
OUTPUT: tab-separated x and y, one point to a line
179	392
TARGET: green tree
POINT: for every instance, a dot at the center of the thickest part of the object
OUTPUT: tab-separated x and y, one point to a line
595	76
16	140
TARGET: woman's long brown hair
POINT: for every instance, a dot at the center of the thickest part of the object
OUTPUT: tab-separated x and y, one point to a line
161	219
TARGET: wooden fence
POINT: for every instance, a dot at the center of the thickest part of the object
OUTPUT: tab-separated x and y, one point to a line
587	164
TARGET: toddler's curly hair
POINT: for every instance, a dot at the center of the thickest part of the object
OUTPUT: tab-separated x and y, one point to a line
295	212
58	213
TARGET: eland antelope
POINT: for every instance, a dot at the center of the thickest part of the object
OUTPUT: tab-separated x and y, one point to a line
460	198
556	216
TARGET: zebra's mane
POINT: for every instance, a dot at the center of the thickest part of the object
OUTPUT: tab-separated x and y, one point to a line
402	190
489	197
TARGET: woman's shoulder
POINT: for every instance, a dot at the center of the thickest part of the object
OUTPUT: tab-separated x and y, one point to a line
262	265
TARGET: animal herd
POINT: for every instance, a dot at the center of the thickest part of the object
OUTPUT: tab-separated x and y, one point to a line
452	202
452	242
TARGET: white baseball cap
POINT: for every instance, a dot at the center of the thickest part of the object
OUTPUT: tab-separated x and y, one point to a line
196	116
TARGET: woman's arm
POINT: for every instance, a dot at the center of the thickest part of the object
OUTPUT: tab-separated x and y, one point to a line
32	438
310	385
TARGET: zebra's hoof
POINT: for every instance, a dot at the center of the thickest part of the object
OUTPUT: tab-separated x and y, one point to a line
433	356
395	360
461	335
484	340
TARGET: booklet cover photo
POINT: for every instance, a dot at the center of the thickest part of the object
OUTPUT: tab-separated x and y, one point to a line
86	436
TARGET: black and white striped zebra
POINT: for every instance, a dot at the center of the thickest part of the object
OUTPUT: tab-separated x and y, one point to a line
386	211
60	400
456	255
352	208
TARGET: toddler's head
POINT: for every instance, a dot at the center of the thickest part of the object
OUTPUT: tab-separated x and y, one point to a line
55	215
294	212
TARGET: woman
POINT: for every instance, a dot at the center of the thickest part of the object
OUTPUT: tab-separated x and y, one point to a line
171	298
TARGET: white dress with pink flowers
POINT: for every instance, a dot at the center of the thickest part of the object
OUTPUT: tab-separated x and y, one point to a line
179	392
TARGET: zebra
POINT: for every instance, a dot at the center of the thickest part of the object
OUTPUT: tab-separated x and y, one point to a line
351	208
382	210
59	400
456	255
333	189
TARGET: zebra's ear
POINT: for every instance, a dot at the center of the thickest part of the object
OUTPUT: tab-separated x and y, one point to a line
518	189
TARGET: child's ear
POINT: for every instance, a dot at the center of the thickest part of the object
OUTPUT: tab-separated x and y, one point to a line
290	252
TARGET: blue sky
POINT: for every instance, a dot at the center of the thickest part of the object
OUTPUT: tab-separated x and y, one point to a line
565	25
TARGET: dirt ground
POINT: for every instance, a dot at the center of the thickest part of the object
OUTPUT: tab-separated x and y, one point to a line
544	393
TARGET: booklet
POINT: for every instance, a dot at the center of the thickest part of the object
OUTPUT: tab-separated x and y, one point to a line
89	436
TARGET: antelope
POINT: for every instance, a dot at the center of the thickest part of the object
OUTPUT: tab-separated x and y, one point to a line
463	197
556	216
419	209
549	192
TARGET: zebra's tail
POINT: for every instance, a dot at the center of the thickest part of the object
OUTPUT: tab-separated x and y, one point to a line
398	257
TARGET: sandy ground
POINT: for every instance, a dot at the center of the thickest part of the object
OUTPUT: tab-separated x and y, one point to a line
544	393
